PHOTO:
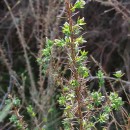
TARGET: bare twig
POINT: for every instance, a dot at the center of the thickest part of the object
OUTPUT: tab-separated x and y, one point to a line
22	41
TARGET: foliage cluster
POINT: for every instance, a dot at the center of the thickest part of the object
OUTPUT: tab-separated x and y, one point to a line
82	109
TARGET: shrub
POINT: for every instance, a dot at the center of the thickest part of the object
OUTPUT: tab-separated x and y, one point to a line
82	109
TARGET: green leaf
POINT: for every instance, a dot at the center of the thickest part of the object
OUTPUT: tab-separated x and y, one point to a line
66	88
46	52
97	98
62	100
76	29
118	74
49	43
107	109
83	71
13	118
80	40
84	53
67	39
79	4
16	102
81	21
31	111
74	83
103	117
116	102
60	42
100	75
66	29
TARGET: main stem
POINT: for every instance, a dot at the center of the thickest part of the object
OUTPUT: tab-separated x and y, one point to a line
73	56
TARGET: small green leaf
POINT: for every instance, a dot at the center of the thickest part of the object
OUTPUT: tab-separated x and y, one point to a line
66	29
118	74
107	109
31	111
81	21
103	117
65	88
59	42
79	4
83	71
16	101
80	40
116	102
46	52
84	53
49	43
62	100
97	98
13	118
74	83
100	75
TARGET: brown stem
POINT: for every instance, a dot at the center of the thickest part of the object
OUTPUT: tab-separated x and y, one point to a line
73	55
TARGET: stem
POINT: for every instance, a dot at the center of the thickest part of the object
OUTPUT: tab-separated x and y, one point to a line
73	55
